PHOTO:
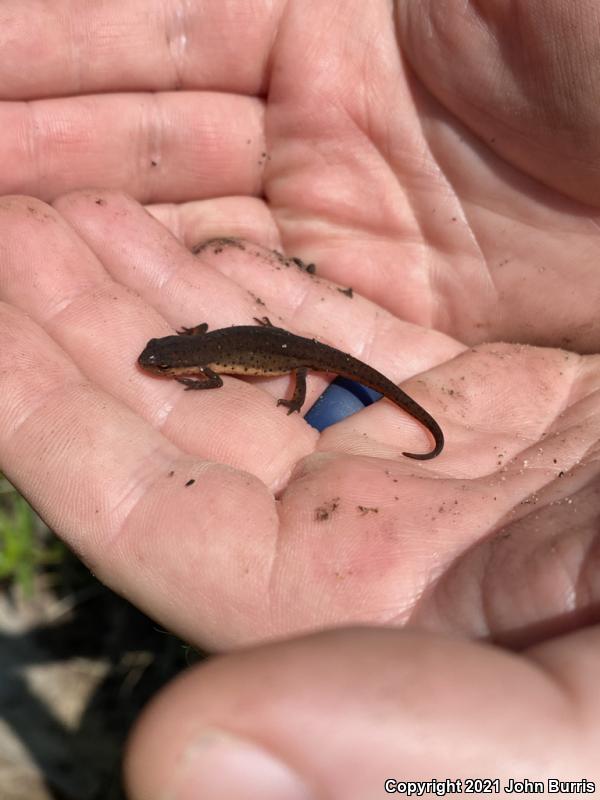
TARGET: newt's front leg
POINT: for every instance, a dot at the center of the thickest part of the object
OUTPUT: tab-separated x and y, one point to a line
211	380
299	396
264	321
197	330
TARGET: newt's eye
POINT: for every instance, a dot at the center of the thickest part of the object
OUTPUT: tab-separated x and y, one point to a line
152	361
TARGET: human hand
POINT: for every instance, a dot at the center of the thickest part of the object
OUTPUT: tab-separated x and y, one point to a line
438	159
341	713
384	241
283	529
79	435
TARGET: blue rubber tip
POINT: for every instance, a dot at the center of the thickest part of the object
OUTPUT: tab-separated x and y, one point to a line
342	398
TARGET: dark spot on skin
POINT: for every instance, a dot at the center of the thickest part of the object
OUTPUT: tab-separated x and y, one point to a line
323	512
190	482
302	265
348	292
100	202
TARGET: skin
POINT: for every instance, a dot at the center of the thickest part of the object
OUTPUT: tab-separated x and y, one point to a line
450	177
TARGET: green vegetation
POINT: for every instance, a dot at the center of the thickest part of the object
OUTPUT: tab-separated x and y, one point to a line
26	545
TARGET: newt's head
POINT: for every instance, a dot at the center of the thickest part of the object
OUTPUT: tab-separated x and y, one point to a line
171	355
159	356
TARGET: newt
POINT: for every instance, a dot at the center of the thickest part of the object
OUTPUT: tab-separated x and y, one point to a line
268	350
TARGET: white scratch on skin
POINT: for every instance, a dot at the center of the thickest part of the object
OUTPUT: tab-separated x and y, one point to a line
177	39
594	222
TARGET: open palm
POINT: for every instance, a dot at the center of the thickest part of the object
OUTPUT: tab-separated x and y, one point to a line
418	160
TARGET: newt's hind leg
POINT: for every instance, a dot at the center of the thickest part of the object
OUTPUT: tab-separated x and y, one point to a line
299	396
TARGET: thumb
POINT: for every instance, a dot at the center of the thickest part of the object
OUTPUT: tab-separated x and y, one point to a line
339	713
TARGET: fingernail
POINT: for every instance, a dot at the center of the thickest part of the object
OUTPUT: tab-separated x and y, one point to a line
218	766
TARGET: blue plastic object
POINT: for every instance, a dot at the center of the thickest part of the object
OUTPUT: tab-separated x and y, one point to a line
342	398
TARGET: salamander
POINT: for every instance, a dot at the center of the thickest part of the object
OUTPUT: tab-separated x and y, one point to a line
268	350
